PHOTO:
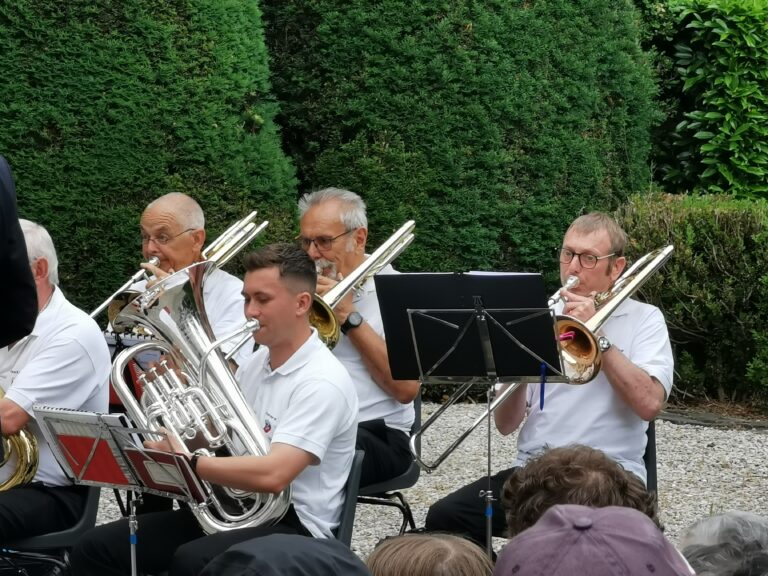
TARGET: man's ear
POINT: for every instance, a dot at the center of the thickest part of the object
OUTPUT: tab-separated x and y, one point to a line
303	303
40	268
199	238
361	237
618	267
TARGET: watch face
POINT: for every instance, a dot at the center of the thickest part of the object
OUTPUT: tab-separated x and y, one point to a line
354	319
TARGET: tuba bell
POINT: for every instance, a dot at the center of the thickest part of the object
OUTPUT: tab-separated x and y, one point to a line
321	314
203	401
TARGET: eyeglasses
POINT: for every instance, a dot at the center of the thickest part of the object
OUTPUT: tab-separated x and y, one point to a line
322	243
586	260
162	239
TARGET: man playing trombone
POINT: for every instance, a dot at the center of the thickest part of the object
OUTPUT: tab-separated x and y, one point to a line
610	413
334	230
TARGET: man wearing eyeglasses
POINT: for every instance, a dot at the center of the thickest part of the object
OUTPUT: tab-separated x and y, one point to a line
610	413
173	231
334	230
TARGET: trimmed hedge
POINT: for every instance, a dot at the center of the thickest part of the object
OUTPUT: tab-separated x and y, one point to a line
491	124
714	289
106	105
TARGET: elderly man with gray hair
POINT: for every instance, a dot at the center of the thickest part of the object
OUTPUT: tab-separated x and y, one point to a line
334	231
64	363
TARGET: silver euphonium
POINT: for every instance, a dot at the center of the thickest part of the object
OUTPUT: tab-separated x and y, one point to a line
193	395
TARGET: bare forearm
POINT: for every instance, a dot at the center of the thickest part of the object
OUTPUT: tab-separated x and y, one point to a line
510	414
373	351
253	473
643	394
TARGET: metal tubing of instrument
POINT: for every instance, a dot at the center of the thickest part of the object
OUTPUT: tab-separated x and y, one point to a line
132	280
430	466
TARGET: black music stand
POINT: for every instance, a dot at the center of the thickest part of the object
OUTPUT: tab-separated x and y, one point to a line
103	450
476	327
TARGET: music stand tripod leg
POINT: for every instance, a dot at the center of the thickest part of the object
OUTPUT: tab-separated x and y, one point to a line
133	525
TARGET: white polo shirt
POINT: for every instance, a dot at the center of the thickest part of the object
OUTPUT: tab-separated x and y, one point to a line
64	363
374	401
223	298
309	402
593	414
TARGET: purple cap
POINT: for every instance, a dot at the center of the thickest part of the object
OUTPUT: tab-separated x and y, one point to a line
612	541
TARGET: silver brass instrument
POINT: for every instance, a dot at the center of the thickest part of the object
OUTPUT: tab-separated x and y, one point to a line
321	315
220	251
570	283
204	401
580	355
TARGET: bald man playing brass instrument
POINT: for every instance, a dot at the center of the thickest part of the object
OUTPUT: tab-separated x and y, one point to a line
173	231
611	412
334	231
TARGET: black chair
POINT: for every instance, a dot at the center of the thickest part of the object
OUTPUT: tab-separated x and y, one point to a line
388	493
649	458
51	549
347	520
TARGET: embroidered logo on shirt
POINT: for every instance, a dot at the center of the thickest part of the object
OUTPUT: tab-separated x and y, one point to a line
267	426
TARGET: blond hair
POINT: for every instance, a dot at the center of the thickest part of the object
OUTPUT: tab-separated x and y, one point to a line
429	555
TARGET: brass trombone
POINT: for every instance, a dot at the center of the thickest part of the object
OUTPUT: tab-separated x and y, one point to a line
580	355
321	315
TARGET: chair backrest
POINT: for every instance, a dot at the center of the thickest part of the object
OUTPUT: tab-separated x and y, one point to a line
347	521
649	458
65	538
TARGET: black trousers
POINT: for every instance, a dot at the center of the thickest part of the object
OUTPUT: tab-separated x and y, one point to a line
171	541
463	512
386	452
34	509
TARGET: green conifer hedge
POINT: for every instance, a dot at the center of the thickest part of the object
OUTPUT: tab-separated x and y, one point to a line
106	105
492	124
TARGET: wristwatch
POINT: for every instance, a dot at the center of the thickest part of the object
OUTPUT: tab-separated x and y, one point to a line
604	344
353	321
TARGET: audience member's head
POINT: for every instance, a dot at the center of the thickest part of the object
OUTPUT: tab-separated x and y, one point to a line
729	544
611	541
571	475
429	555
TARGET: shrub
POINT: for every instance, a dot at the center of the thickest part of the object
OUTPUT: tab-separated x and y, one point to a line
714	289
106	105
491	124
722	59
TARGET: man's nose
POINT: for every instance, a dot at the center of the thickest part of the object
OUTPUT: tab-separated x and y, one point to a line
313	252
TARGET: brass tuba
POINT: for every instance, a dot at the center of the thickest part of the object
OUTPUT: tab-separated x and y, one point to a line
19	450
321	315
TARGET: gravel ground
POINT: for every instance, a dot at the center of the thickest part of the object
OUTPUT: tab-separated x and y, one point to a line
701	470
